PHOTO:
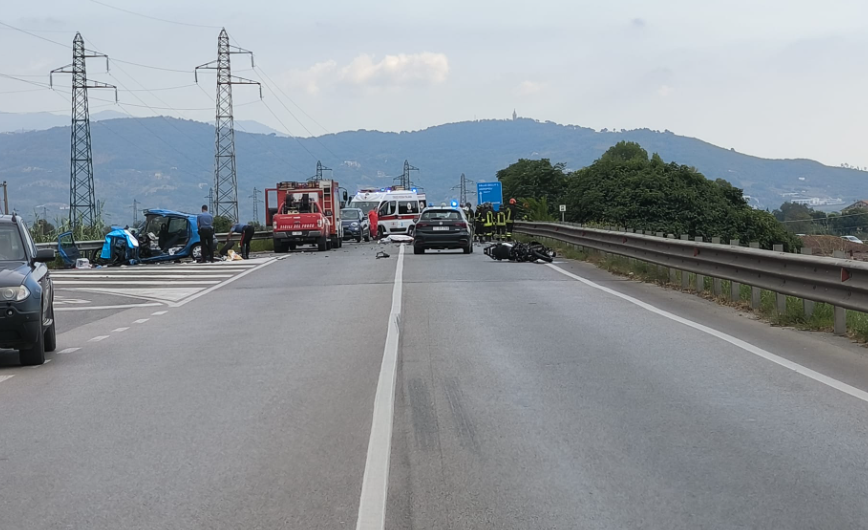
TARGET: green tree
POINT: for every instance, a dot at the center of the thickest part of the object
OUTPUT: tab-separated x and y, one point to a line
222	224
534	179
42	229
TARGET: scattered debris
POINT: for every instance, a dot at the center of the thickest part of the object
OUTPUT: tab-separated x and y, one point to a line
382	255
396	238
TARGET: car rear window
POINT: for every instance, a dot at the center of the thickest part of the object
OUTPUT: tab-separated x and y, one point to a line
440	215
11	246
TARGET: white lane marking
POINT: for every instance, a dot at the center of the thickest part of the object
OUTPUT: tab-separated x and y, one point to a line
227	282
141	321
98	338
143	276
119	330
136	282
5	377
158	313
102	307
375	484
69	350
748	347
43	364
143	293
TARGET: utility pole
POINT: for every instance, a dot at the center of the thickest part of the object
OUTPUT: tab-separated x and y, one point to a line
135	212
210	198
255	198
225	178
319	171
404	179
5	200
82	199
463	193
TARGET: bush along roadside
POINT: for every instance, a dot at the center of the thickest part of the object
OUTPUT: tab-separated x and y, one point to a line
799	314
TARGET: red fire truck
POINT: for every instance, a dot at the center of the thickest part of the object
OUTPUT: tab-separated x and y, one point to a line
304	213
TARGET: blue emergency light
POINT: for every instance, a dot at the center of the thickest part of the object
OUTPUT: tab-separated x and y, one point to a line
454	203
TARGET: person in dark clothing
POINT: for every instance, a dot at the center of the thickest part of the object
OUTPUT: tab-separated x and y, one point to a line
246	232
205	224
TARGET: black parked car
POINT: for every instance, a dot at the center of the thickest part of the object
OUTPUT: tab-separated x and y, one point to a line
26	293
443	228
356	224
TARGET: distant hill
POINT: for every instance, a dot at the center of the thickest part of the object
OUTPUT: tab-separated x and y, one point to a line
39	121
166	162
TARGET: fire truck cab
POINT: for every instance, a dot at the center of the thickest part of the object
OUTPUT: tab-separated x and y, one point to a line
304	213
398	209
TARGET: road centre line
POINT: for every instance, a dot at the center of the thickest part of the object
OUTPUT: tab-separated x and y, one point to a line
5	377
98	338
375	483
69	350
141	321
746	346
119	330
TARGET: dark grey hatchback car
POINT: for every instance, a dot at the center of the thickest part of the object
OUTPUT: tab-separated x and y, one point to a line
26	293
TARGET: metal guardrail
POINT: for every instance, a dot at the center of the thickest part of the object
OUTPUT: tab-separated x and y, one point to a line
88	246
839	282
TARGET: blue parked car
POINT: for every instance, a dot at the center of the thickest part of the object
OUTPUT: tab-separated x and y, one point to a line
169	236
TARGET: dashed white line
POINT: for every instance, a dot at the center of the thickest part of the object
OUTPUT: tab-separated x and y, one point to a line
98	338
5	377
69	350
375	483
119	330
43	364
158	313
141	321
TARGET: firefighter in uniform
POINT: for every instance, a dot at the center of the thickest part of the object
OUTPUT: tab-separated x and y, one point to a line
479	222
510	219
501	224
489	222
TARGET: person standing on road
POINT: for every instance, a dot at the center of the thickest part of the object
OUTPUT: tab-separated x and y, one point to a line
374	221
510	219
246	232
205	224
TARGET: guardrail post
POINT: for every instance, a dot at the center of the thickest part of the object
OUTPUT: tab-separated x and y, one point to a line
808	305
685	276
780	299
755	292
700	279
716	284
673	273
839	312
734	287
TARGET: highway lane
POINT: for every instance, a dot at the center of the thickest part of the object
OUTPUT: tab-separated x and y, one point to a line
528	400
246	408
524	399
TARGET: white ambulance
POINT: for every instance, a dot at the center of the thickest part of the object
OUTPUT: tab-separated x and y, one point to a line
397	209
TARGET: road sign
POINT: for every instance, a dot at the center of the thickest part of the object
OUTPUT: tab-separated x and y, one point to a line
563	207
489	192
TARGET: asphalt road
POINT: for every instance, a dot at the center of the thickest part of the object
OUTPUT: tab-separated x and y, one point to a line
524	399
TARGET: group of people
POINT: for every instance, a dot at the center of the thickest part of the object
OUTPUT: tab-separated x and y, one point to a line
494	225
205	225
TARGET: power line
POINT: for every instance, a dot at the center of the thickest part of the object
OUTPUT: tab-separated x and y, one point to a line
288	131
40	37
43	85
154	18
259	69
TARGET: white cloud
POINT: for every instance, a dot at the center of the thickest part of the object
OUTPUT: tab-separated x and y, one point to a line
664	91
526	88
365	71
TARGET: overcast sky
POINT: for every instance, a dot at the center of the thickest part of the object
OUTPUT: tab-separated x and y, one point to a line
773	78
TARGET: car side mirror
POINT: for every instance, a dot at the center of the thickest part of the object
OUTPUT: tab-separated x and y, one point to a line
45	255
345	195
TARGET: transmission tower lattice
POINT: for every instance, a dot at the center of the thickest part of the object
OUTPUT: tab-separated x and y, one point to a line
404	179
319	171
255	197
225	177
82	198
463	193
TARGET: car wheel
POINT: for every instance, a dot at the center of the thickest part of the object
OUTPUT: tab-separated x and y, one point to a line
195	253
35	355
50	334
418	250
468	249
280	247
359	238
322	244
381	232
367	237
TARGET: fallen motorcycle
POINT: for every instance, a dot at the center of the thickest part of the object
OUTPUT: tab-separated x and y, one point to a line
521	252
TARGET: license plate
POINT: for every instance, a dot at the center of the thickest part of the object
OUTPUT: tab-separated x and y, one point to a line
296	233
441	228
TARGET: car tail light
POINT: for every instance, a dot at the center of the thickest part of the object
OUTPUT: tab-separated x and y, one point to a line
461	224
422	224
